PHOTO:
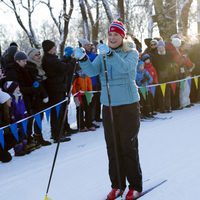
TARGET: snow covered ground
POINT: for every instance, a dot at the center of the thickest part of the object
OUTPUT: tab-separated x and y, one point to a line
169	149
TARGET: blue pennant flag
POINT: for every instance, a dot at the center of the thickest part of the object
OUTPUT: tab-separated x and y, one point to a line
2	139
47	112
38	120
189	82
24	125
58	110
153	90
13	128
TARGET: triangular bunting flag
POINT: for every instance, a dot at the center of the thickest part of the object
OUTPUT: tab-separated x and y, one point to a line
58	110
163	88
153	90
182	84
13	128
79	97
88	96
2	139
189	82
47	198
47	112
173	86
24	126
38	120
144	92
196	82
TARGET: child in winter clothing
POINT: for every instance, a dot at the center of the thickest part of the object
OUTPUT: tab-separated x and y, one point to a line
17	112
5	103
150	68
143	78
83	114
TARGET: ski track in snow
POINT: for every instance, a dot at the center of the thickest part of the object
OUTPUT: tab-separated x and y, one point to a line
169	149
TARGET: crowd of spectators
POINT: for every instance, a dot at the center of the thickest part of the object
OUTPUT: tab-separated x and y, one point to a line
38	79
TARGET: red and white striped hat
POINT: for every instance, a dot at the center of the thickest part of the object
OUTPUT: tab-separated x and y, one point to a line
118	27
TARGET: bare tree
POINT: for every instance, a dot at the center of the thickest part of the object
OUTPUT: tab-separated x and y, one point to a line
86	31
198	17
183	8
121	10
62	21
108	10
29	6
165	16
94	23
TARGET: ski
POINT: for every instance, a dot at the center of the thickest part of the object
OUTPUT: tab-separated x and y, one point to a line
146	190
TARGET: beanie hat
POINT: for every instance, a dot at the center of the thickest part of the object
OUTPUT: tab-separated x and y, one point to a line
47	45
11	50
161	43
176	42
10	86
154	41
32	52
13	44
118	27
20	55
84	41
4	97
145	57
68	51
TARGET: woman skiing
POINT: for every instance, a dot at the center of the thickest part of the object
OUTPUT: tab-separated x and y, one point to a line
120	98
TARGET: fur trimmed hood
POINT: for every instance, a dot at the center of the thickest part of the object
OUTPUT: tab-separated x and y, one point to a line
128	44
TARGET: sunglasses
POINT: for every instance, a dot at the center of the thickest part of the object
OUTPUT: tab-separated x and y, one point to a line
38	54
153	45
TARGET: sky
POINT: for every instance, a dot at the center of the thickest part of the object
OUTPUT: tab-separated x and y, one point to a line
169	149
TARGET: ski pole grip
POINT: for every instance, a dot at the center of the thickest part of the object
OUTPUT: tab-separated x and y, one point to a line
79	44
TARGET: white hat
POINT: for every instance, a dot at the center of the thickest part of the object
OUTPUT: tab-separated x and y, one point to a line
4	97
176	42
84	41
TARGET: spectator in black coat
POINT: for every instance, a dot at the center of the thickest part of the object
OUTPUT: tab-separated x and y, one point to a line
56	72
40	99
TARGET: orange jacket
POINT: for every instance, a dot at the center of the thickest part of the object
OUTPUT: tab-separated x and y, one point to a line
80	83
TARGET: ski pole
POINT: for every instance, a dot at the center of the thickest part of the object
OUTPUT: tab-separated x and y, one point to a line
112	122
60	134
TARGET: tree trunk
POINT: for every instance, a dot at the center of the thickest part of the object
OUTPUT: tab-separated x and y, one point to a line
121	10
165	16
108	10
198	17
66	17
184	16
94	23
86	31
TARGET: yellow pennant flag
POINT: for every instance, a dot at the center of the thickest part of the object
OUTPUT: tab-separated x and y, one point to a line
47	198
196	82
163	88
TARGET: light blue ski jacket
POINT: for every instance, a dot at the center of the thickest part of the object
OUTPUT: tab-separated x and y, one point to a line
121	68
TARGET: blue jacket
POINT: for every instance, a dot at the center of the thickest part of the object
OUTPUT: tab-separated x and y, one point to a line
143	78
121	68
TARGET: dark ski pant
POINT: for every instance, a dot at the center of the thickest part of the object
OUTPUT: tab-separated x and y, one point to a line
126	125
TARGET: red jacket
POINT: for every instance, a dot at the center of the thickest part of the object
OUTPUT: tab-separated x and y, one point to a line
152	71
